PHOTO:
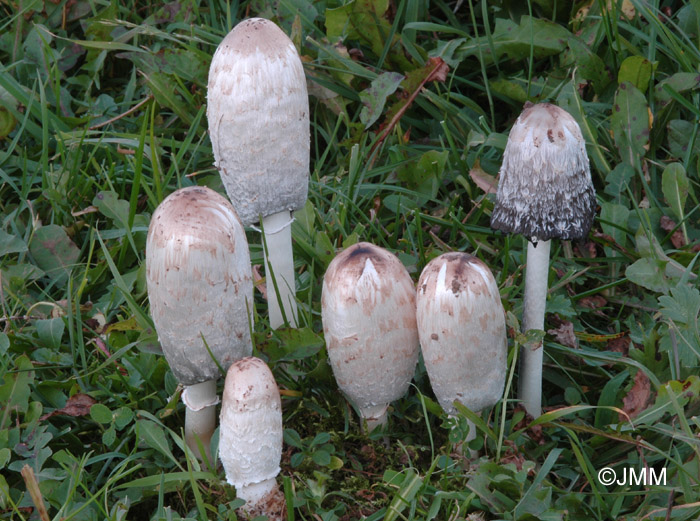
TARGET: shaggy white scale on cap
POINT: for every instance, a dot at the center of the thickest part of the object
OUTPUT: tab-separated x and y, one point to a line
462	330
258	112
250	437
545	189
369	322
199	283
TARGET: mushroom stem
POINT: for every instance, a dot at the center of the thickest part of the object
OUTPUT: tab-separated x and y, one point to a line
374	416
471	435
264	498
279	269
534	303
200	415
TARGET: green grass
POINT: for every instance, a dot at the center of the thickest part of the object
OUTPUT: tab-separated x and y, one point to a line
102	115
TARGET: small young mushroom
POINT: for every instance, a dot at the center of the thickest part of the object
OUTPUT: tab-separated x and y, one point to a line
200	289
462	331
258	112
250	438
368	308
545	191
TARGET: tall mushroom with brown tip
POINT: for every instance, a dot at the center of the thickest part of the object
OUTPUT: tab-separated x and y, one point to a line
368	310
250	438
462	331
200	290
258	112
544	192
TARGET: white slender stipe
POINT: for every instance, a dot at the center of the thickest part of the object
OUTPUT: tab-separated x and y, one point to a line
535	299
280	262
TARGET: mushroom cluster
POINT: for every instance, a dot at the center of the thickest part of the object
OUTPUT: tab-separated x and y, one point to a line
375	320
545	191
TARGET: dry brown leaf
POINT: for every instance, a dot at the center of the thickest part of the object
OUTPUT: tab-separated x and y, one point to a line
86	210
512	455
483	180
619	345
77	405
535	432
259	281
440	71
102	347
594	302
677	239
637	398
565	334
587	250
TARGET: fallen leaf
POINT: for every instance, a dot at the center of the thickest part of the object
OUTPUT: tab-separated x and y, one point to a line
86	210
483	180
440	71
587	250
101	346
77	405
259	281
594	302
535	432
619	345
565	334
677	239
512	455
638	396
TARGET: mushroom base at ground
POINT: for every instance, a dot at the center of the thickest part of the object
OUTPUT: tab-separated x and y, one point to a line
279	263
375	416
263	499
200	416
534	302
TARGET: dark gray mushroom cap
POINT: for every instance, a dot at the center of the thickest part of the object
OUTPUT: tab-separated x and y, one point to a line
545	189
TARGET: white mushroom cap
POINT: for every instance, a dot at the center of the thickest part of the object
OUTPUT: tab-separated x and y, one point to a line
462	329
258	112
250	431
369	321
545	189
199	283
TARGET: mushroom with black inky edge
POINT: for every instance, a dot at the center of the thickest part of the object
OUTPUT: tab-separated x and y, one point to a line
368	309
250	438
544	192
462	331
258	112
200	289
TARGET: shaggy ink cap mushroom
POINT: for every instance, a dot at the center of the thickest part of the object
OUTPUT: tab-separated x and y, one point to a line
200	289
250	437
545	189
369	322
544	192
258	112
199	283
462	330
